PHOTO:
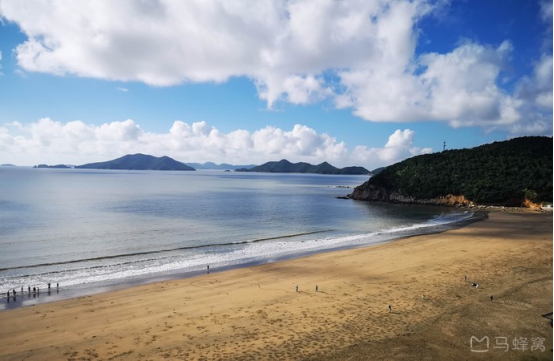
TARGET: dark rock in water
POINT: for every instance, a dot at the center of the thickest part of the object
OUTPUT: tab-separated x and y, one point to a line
59	166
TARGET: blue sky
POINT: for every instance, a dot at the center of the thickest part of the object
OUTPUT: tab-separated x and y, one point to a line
353	83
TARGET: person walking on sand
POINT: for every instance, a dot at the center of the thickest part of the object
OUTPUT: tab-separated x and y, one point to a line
296	288
492	297
316	288
390	309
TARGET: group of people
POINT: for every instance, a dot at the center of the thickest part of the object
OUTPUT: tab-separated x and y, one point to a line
36	291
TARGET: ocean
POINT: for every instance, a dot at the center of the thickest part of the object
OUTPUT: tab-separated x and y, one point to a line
95	230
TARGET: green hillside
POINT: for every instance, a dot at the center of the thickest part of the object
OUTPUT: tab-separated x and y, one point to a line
497	173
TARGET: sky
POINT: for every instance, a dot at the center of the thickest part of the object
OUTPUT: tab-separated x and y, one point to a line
362	82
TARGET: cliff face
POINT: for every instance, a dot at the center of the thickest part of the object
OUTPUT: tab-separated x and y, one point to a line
369	192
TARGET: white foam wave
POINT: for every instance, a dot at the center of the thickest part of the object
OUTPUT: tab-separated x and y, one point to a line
224	256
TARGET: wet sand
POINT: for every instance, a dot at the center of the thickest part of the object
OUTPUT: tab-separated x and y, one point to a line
255	313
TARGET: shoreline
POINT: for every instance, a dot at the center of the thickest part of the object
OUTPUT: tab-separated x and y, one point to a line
255	312
30	299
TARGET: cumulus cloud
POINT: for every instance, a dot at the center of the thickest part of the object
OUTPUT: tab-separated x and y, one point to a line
399	146
360	55
75	142
534	93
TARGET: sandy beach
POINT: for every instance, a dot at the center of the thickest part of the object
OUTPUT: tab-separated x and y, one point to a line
256	313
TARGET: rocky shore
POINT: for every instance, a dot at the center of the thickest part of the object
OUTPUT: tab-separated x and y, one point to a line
372	193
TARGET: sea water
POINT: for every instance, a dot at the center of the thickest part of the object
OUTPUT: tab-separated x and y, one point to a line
91	230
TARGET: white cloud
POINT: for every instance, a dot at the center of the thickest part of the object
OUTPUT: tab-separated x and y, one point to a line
122	89
361	54
21	73
534	93
546	10
399	147
75	142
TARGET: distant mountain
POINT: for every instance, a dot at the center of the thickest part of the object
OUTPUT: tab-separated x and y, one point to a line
284	166
223	166
62	166
511	173
139	162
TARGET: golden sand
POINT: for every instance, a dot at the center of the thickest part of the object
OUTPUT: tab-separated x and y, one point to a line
255	313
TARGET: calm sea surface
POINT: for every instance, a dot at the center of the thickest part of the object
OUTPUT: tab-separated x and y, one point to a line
90	230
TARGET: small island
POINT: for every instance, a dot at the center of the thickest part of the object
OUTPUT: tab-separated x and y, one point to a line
213	166
139	162
284	166
58	166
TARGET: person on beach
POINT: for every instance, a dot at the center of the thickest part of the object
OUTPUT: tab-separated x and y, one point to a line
48	286
208	269
492	297
8	294
296	288
390	309
38	291
316	288
34	290
29	289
